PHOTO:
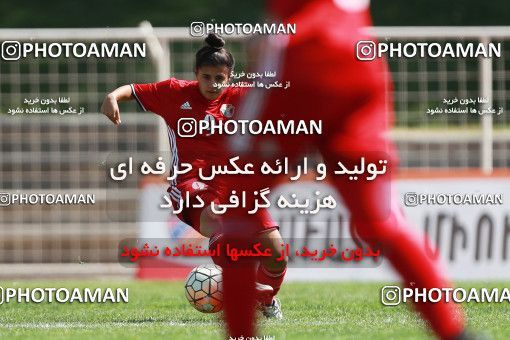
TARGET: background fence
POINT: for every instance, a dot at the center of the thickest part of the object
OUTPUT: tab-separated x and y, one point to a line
53	153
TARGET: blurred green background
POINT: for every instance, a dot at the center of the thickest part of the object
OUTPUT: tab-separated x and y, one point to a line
117	13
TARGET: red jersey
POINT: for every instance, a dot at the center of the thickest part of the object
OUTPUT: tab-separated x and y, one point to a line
176	100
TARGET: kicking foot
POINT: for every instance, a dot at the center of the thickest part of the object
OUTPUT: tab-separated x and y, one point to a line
273	310
264	293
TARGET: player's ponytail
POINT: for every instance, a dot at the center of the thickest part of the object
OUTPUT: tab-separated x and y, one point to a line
215	41
214	53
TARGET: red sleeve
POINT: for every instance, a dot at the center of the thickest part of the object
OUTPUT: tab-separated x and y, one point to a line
154	96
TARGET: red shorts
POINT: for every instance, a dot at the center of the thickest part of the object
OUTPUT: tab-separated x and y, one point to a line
208	193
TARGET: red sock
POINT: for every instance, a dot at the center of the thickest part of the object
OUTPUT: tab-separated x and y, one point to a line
239	301
273	279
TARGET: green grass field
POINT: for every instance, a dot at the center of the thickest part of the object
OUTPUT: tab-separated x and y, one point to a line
160	310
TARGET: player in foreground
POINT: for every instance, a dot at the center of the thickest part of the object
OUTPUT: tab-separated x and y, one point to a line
350	96
174	99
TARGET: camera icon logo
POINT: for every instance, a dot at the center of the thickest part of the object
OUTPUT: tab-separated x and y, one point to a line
11	50
411	199
366	50
187	127
197	29
5	199
391	295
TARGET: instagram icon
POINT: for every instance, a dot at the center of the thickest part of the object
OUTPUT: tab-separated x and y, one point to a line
365	50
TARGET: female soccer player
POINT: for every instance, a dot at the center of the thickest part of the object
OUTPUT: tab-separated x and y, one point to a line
175	100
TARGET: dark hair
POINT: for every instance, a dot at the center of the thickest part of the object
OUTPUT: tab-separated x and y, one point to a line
214	54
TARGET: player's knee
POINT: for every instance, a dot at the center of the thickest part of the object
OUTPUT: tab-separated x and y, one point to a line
277	262
278	259
374	231
210	223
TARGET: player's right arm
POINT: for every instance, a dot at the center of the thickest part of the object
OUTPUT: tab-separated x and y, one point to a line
154	97
110	106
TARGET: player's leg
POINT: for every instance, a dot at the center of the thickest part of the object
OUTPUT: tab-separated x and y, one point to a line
375	211
202	219
239	280
271	271
379	221
238	277
206	222
210	223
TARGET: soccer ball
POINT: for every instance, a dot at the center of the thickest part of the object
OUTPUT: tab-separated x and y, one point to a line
203	288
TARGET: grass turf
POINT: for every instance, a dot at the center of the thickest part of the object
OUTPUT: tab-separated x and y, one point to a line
159	309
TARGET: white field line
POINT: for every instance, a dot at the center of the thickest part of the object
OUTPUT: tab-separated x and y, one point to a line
144	324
